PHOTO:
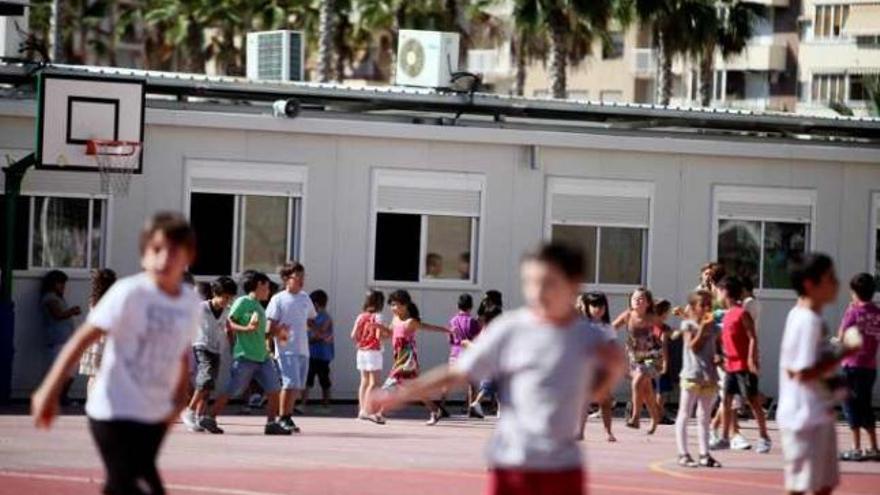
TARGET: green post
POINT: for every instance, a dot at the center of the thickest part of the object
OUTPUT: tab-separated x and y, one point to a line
14	174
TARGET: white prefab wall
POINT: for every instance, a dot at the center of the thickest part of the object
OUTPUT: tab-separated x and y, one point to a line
340	160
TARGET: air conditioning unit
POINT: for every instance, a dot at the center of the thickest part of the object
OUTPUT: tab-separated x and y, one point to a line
426	58
275	55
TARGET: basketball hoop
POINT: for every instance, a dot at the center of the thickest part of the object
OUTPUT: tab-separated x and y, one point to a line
117	161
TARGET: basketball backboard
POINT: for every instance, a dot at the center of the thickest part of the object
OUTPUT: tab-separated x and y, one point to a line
76	108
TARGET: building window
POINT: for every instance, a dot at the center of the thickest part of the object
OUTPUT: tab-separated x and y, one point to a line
58	232
426	227
609	221
249	224
829	21
614	47
758	230
841	88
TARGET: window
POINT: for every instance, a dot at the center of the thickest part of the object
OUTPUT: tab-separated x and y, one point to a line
758	230
608	221
829	21
426	227
838	88
614	46
249	223
874	263
64	232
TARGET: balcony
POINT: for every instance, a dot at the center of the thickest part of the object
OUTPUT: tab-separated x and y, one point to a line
755	58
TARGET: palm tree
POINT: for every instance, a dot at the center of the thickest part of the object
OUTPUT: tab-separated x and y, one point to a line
680	27
569	24
327	23
733	27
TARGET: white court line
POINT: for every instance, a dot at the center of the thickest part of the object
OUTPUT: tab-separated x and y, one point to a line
88	480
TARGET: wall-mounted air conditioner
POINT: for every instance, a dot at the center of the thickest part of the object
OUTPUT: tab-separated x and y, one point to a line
426	58
275	55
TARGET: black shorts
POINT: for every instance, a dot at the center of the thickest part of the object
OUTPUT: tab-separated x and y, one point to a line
321	369
858	404
742	383
207	367
129	450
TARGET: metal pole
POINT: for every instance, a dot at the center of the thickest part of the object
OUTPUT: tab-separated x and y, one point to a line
12	188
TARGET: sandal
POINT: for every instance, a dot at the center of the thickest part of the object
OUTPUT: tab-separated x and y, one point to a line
852	455
685	460
709	461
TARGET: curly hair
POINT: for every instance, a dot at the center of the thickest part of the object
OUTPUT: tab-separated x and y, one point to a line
102	279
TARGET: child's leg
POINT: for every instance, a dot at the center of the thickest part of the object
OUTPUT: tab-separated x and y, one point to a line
726	415
362	392
704	411
653	410
685	407
605	407
197	403
758	410
114	445
146	452
272	406
636	397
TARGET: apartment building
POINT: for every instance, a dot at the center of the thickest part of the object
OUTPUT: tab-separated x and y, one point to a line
805	56
840	45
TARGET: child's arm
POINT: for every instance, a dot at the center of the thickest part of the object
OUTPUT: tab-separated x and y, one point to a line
354	329
431	328
44	401
749	326
252	325
383	332
436	380
664	352
57	313
696	340
621	320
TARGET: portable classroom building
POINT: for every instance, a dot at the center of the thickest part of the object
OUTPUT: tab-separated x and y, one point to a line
363	199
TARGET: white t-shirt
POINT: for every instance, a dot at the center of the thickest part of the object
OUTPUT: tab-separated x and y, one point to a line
147	333
802	405
293	310
753	306
543	373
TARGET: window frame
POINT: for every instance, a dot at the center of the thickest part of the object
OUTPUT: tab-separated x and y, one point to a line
242	172
432	180
831	11
106	221
765	195
605	187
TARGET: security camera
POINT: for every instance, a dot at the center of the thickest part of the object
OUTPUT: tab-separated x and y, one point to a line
286	108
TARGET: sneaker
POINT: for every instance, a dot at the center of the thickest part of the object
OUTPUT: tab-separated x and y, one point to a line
188	416
375	418
719	444
288	424
209	424
434	419
764	445
666	420
476	411
709	461
685	460
444	413
276	428
714	436
739	442
852	455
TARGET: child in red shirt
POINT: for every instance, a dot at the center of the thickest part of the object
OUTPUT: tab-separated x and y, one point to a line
740	343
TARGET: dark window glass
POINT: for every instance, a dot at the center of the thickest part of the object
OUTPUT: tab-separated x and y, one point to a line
211	216
739	247
621	255
782	241
398	237
20	241
580	237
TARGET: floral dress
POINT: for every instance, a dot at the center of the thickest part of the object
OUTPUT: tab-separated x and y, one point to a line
406	357
644	350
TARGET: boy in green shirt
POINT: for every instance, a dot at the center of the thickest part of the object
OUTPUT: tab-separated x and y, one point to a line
250	358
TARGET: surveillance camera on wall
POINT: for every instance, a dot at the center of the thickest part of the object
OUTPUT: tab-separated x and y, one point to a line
286	108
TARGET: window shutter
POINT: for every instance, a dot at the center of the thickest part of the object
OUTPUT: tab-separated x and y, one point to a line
798	213
265	187
601	210
401	199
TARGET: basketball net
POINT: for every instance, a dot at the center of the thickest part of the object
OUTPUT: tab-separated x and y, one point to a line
117	161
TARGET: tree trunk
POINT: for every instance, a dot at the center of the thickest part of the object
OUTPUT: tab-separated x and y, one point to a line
195	48
325	41
664	74
519	54
557	60
707	71
341	35
399	23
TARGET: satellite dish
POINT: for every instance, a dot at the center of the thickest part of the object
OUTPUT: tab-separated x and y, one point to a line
412	57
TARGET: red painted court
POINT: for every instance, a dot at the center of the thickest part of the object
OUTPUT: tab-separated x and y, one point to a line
338	455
